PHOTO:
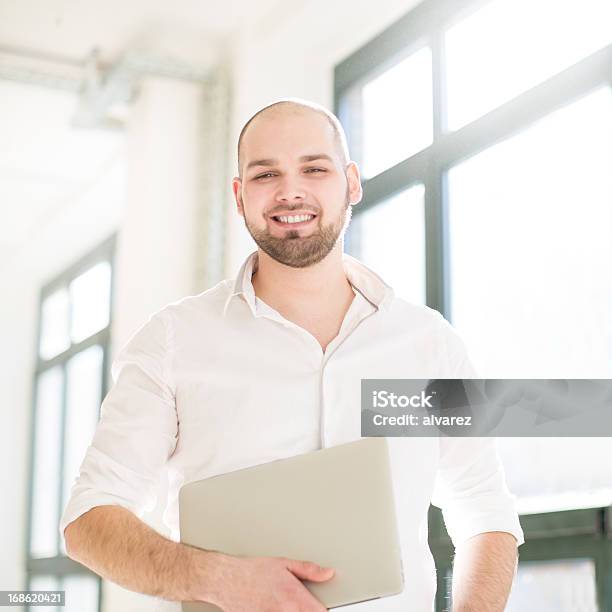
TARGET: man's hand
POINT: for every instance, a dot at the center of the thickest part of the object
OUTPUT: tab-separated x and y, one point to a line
264	584
118	546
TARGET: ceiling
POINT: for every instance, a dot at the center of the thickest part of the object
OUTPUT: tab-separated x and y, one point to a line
72	27
45	162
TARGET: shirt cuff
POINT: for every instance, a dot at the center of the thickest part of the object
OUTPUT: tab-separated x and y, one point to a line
85	503
481	514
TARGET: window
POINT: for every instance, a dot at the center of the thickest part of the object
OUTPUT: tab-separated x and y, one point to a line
570	582
389	104
553	36
70	382
390	238
563	566
509	148
532	216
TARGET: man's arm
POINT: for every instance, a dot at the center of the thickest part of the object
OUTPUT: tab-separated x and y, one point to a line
483	571
118	546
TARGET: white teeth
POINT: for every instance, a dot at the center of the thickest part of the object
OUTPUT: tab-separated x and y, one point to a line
296	218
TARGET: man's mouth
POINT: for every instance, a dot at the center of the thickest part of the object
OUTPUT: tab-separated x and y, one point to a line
294	221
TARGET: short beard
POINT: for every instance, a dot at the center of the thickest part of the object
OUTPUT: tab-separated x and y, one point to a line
297	252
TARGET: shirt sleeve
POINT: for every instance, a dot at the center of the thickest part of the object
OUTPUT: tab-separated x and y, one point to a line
137	431
470	486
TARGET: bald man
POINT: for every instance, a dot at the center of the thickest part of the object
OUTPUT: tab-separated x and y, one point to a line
267	366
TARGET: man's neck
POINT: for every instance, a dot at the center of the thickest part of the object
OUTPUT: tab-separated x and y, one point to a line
303	292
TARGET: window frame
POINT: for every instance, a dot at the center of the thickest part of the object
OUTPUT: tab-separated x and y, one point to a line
551	535
584	533
60	565
425	24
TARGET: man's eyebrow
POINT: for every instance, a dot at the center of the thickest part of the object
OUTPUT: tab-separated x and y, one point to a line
262	162
315	156
304	159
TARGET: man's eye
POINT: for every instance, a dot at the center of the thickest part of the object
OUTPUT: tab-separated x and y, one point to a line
264	175
315	170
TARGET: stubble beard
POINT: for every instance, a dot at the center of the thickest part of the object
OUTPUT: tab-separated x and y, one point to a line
300	252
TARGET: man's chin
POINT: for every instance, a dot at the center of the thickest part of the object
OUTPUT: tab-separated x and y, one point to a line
295	249
301	257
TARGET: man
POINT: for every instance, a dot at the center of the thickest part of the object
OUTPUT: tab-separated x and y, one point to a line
269	366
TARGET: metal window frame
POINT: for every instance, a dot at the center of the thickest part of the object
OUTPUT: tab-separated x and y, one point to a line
425	24
549	536
61	566
567	534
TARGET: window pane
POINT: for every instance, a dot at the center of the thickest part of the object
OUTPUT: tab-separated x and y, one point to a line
43	583
391	240
531	282
54	325
397	113
531	247
554	586
45	481
486	67
90	301
83	391
551	474
81	593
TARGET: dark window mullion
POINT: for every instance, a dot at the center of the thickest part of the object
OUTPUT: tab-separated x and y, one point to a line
405	174
100	337
32	450
525	109
32	460
415	25
435	218
435	253
56	566
603	572
106	343
103	252
99	594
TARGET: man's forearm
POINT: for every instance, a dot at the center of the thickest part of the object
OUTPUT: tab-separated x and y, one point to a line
118	546
483	571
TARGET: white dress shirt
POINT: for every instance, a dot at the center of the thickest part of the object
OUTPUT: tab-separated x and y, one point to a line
221	381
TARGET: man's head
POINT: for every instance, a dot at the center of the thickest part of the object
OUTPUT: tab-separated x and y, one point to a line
296	183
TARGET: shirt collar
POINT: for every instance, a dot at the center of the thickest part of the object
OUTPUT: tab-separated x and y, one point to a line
362	278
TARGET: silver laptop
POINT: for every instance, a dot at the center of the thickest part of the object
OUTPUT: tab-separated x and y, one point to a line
333	506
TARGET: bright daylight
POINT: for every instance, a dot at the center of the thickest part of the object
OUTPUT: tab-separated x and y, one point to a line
226	227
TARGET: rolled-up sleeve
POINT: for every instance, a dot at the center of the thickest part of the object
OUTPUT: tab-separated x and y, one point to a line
470	486
137	431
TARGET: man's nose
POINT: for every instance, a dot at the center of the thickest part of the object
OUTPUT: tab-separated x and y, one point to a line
290	191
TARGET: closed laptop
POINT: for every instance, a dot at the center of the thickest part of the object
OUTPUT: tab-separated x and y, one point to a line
333	506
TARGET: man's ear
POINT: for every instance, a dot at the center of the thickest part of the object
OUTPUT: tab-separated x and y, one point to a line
237	189
354	183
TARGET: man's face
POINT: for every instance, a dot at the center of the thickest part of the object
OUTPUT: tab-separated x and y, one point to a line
294	193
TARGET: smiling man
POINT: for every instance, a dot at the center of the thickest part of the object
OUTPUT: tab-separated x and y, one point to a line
296	229
268	366
295	192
